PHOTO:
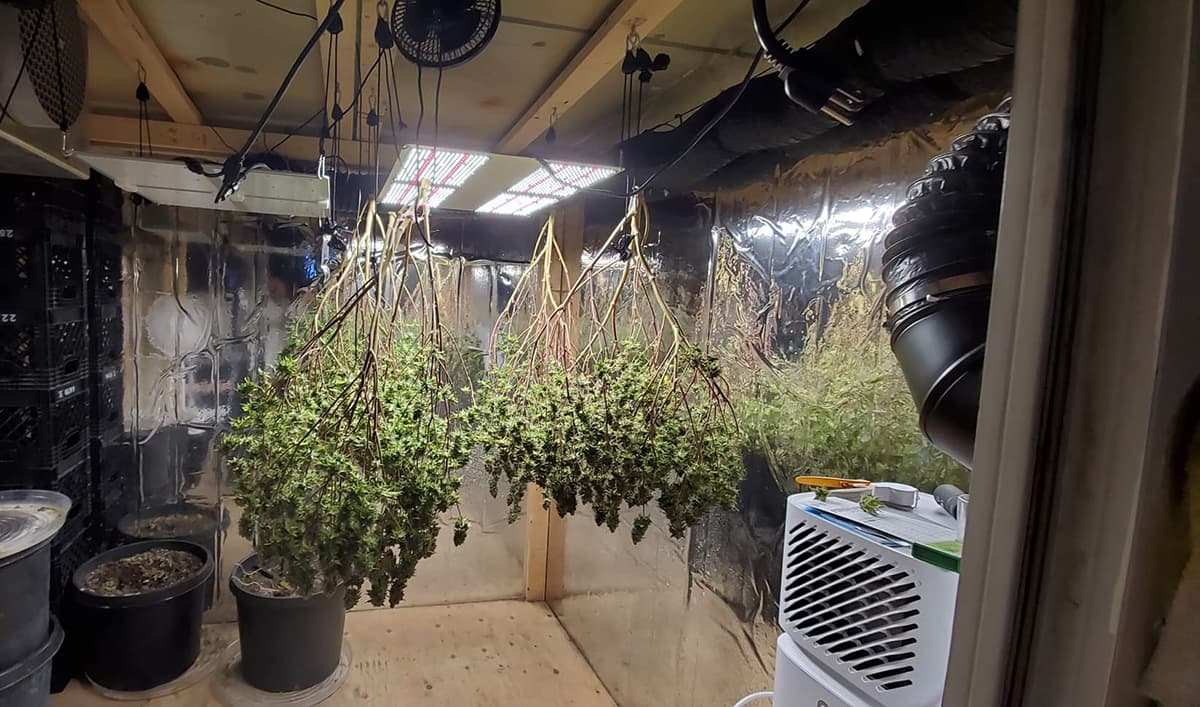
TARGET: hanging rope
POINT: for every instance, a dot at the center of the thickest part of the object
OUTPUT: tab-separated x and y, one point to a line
143	98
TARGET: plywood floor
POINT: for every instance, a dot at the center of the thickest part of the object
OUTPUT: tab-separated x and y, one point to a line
502	653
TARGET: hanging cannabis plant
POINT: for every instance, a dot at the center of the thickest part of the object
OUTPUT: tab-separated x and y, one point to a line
346	450
606	403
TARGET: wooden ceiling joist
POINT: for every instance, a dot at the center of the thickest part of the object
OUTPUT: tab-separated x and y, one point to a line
119	24
114	134
604	49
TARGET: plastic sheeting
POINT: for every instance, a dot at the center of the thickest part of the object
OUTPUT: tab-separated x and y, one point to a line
692	622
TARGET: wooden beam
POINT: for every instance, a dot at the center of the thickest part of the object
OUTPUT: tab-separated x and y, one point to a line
120	25
545	529
602	51
115	134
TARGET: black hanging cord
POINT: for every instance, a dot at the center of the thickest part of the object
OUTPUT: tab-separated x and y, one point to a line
421	103
143	98
234	170
37	27
297	13
437	109
704	131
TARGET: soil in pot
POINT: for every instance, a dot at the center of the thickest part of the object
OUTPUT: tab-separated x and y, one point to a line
139	606
289	642
179	521
147	571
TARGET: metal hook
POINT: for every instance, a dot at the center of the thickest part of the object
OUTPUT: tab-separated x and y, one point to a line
633	40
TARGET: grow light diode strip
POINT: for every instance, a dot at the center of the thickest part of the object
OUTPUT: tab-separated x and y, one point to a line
447	170
541	188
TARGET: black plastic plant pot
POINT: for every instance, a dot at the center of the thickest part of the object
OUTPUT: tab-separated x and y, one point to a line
156	523
288	643
29	520
139	641
940	348
27	684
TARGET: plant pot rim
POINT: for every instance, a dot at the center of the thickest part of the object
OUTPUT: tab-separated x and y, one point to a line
242	592
153	596
167	510
36	661
39	528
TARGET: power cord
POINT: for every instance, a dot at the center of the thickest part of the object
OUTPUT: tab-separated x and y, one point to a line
704	131
234	170
297	13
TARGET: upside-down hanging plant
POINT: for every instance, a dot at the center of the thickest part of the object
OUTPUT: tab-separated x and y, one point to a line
600	398
347	450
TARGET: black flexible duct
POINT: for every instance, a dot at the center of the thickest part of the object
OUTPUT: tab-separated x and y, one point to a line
901	42
937	266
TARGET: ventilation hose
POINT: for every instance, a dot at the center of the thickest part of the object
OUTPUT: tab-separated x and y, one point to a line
937	268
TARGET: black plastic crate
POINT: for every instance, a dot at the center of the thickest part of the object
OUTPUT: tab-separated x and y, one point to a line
108	397
40	356
41	277
42	429
67	553
104	269
107	337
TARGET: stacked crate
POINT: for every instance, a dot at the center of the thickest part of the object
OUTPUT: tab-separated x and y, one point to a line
111	455
44	365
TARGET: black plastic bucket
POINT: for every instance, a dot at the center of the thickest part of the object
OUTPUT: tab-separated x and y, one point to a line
133	643
287	643
29	520
24	603
27	684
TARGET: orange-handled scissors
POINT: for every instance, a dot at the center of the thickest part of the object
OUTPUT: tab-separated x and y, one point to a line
832	482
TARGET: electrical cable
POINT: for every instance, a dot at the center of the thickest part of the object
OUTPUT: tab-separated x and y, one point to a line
233	170
421	102
751	698
704	131
297	13
293	132
226	144
437	109
37	28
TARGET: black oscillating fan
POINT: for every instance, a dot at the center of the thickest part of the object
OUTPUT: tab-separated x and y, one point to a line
440	33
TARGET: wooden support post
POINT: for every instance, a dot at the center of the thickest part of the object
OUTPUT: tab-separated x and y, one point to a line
545	529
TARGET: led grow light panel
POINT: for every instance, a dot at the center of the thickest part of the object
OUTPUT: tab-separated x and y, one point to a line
546	185
485	182
171	183
447	170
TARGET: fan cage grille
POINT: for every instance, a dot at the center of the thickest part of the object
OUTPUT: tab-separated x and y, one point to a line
857	609
56	61
412	16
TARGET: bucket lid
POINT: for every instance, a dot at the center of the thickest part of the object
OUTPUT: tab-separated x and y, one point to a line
29	518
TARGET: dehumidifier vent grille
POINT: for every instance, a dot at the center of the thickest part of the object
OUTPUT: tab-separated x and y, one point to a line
852	605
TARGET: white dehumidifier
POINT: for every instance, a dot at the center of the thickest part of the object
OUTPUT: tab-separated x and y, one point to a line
866	623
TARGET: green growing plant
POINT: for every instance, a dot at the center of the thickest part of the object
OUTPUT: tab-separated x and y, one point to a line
619	411
842	408
346	450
